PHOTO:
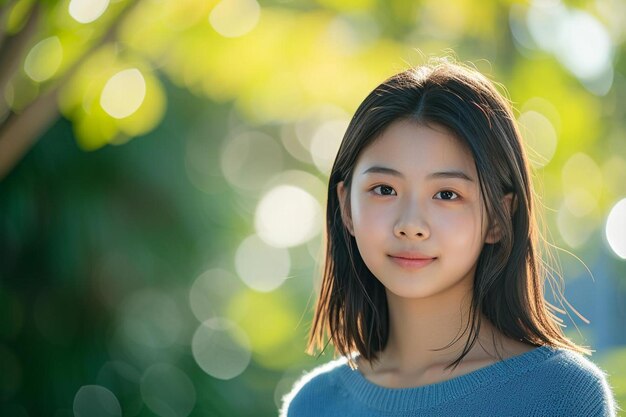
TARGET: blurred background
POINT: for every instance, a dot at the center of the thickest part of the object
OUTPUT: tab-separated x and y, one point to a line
163	170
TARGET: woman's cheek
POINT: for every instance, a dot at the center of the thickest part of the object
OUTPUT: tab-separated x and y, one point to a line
368	216
463	228
360	214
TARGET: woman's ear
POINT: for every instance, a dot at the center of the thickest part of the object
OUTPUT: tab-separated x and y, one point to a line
344	205
495	232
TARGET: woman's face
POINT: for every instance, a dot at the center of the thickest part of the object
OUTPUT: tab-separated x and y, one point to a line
415	194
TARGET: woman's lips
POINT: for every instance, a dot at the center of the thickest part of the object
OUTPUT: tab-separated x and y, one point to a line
412	263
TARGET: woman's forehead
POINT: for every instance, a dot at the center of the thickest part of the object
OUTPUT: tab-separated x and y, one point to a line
411	148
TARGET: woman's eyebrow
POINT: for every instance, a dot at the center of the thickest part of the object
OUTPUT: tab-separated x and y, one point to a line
440	174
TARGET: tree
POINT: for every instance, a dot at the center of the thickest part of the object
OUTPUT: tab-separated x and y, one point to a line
275	69
21	22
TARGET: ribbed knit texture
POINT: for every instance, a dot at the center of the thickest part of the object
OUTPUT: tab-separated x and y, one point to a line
542	382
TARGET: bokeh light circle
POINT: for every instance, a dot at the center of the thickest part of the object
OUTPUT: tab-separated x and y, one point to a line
582	181
310	128
123	93
614	170
585	45
545	108
249	159
325	144
580	42
221	348
544	20
300	179
210	292
519	28
96	401
287	216
573	229
539	136
293	145
202	162
44	59
261	267
168	391
234	18
86	11
616	228
123	380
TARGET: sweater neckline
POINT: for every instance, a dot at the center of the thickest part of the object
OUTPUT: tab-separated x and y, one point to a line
403	399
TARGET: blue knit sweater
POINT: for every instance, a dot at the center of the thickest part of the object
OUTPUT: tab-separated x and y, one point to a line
541	382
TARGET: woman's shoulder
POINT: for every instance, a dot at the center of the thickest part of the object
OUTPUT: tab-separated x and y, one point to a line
311	387
575	365
578	379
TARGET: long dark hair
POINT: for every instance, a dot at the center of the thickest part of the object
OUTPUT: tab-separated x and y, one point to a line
508	286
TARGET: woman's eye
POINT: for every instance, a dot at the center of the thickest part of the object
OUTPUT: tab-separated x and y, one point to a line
447	195
384	190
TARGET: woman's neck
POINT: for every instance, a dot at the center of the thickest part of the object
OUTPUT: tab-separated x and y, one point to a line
420	326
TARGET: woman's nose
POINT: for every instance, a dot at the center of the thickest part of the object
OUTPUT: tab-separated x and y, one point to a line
412	223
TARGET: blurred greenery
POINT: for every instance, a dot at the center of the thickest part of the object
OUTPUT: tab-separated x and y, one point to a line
162	182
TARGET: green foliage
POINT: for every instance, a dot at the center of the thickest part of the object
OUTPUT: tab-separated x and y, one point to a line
119	230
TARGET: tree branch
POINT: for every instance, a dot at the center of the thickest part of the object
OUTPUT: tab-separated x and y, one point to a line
12	51
4	17
20	131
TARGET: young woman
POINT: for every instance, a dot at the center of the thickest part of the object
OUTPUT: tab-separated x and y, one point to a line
433	284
